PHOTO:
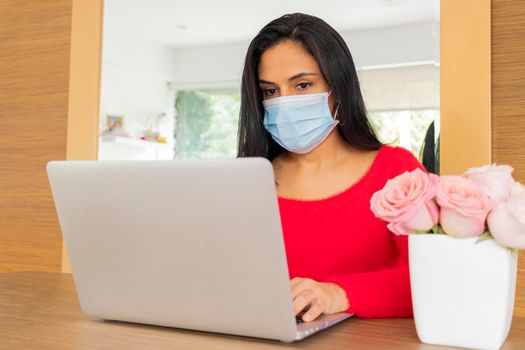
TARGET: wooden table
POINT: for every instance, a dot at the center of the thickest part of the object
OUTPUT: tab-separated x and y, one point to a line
39	310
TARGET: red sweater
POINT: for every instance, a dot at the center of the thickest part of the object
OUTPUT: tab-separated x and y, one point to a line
339	240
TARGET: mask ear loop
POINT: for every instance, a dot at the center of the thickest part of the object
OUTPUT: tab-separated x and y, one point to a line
336	109
335	114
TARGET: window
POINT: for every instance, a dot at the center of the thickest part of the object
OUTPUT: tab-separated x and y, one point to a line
206	123
404	128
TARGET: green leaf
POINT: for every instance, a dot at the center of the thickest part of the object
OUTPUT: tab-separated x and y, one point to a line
420	231
437	229
485	236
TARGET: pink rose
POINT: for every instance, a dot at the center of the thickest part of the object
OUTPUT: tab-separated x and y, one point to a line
495	180
464	206
507	220
406	202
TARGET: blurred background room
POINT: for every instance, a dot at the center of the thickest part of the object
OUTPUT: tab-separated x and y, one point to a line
171	72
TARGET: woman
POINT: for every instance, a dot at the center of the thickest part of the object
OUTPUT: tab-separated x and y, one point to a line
301	108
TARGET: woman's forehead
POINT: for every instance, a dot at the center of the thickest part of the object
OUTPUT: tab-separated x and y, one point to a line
285	60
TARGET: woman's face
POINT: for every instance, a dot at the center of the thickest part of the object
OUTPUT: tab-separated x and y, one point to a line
288	69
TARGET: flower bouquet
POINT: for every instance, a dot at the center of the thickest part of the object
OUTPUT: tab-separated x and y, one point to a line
464	233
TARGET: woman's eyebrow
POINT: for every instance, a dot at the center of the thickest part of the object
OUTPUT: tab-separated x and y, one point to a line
297	76
300	75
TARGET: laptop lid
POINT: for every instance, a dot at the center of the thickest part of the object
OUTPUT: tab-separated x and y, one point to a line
194	244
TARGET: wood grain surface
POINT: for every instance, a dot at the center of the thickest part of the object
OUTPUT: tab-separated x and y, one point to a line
464	85
508	101
34	79
40	310
84	85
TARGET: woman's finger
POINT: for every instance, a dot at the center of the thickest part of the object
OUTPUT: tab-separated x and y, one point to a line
303	300
315	311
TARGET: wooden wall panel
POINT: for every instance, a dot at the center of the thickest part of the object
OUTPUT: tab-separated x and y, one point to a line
34	77
465	85
508	100
84	85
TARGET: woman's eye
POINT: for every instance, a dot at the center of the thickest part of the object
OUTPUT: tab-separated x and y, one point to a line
303	86
269	92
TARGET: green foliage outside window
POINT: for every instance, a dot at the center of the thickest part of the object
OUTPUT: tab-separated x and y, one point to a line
206	124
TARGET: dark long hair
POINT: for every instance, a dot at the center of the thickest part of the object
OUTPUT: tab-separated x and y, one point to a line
336	64
429	153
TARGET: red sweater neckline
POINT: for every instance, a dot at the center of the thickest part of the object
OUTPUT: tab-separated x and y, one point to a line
344	192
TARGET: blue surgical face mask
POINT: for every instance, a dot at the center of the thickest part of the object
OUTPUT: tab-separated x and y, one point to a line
299	123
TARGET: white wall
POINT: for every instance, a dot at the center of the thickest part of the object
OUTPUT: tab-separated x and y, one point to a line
395	64
222	64
398	67
217	65
136	78
399	45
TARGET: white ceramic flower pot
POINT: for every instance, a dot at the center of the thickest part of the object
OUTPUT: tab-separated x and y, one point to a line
462	292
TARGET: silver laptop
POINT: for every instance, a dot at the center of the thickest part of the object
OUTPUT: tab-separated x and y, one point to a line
193	244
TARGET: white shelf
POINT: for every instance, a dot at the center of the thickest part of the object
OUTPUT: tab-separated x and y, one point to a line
112	147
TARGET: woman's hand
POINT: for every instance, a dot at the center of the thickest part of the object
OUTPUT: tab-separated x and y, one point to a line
323	298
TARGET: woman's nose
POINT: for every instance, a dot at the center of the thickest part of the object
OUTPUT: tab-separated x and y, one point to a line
285	92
